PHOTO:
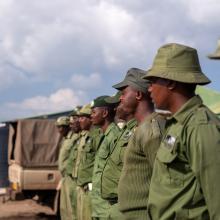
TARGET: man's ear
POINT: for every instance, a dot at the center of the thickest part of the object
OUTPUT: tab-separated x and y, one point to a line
105	113
139	95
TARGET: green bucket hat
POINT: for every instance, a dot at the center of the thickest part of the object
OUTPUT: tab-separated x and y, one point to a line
85	110
63	121
134	78
100	102
115	99
178	63
216	55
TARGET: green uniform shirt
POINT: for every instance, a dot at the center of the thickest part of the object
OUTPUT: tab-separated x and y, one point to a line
139	158
70	161
113	166
66	147
88	152
185	182
99	206
76	154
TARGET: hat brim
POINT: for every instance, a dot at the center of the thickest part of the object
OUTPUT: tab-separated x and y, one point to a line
121	85
84	114
113	100
214	56
184	77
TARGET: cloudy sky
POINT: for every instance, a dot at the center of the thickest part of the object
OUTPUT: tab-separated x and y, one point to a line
56	54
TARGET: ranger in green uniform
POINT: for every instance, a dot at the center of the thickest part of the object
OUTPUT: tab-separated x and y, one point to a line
85	168
137	161
132	190
63	127
185	181
103	115
65	169
75	155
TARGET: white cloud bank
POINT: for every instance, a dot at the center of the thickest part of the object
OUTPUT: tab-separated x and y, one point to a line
61	100
52	41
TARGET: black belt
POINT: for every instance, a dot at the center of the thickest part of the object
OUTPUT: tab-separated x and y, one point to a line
112	201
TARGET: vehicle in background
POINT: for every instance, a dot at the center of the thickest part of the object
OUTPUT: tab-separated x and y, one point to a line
33	149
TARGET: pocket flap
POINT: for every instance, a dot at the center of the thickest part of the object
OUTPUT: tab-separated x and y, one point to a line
165	155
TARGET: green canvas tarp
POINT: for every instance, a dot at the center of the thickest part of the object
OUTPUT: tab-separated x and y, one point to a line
211	98
34	143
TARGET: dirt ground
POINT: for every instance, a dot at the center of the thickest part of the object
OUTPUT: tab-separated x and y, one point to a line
25	210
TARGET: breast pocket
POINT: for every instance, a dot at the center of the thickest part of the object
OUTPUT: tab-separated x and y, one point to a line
104	150
89	153
117	155
171	166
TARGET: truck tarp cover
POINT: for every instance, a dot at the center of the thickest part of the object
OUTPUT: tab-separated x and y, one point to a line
35	143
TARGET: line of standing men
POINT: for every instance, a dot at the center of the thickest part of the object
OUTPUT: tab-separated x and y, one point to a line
153	166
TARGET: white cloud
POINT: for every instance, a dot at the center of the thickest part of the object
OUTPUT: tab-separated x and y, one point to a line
91	81
203	12
61	100
43	43
50	43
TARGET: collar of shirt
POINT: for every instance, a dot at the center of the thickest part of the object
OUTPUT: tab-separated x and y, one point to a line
130	124
109	128
149	117
182	114
84	132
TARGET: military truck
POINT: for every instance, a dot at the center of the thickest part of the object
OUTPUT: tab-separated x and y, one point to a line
33	149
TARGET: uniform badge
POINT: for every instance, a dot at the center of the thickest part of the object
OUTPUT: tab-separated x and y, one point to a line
127	134
170	140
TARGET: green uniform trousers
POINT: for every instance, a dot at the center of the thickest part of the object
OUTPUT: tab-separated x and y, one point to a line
83	204
66	209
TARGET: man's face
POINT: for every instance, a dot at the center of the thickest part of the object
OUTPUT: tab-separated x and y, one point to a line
120	113
97	116
63	130
128	101
74	123
85	122
159	92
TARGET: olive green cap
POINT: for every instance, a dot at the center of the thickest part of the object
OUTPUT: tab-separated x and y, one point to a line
134	78
115	99
85	110
62	121
216	55
178	63
100	102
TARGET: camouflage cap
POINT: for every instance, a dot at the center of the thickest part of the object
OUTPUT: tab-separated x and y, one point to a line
115	99
216	55
85	110
134	78
75	111
178	63
100	102
62	121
